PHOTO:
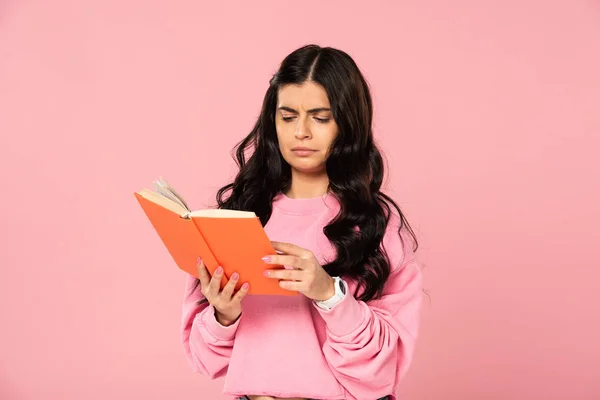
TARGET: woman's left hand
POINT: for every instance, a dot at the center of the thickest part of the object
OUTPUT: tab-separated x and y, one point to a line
307	277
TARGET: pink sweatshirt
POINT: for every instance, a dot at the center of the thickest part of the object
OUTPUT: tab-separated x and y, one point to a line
288	347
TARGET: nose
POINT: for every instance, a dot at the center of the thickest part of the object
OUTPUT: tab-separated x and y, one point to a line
302	130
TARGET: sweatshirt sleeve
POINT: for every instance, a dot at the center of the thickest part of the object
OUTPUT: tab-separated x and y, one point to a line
369	346
207	344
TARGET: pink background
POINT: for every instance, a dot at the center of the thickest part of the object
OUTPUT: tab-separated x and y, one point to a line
489	113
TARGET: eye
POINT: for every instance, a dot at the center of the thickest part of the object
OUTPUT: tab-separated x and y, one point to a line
323	120
286	119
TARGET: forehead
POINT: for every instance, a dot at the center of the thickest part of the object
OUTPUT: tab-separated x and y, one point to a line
306	96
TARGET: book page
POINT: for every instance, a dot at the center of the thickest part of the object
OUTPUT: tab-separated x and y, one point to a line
222	213
163	201
166	194
163	188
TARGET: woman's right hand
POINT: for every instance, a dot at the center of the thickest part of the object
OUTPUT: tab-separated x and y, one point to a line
228	306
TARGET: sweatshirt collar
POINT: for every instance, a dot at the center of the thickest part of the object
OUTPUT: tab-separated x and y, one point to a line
303	206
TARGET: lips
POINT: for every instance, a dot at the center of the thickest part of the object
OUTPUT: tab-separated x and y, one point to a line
303	151
300	148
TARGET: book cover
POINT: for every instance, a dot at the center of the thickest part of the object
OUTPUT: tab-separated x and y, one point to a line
236	244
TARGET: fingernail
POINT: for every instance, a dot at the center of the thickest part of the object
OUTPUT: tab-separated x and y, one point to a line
266	259
219	271
198	260
235	276
266	273
245	286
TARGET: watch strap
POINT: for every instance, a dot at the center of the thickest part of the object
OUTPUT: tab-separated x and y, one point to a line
340	292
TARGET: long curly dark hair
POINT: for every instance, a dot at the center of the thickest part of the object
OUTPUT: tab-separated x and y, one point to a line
355	167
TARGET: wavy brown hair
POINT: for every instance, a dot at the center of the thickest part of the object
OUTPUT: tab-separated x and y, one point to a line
355	167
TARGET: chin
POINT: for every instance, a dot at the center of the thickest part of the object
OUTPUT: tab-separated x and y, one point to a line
308	171
307	167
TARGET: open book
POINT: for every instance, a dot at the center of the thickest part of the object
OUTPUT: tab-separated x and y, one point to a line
232	239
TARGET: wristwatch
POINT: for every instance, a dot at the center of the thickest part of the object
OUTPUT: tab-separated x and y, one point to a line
340	292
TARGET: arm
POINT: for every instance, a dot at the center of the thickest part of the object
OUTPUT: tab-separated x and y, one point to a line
369	346
207	344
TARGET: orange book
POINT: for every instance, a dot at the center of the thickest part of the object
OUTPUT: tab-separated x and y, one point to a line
234	240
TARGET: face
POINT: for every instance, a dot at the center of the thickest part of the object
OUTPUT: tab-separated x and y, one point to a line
305	126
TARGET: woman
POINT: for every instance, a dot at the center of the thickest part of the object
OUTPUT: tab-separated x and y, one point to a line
314	179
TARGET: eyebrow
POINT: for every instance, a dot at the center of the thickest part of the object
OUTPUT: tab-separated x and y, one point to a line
311	111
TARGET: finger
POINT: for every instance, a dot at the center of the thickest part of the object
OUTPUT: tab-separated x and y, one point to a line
229	288
292	249
215	283
241	293
203	274
287	274
289	260
292	285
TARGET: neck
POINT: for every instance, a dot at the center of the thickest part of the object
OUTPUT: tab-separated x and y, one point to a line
306	186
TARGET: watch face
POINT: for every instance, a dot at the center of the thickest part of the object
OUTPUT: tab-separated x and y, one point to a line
342	288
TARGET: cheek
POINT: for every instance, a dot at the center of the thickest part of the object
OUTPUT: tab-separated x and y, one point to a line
283	140
279	133
328	135
283	131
